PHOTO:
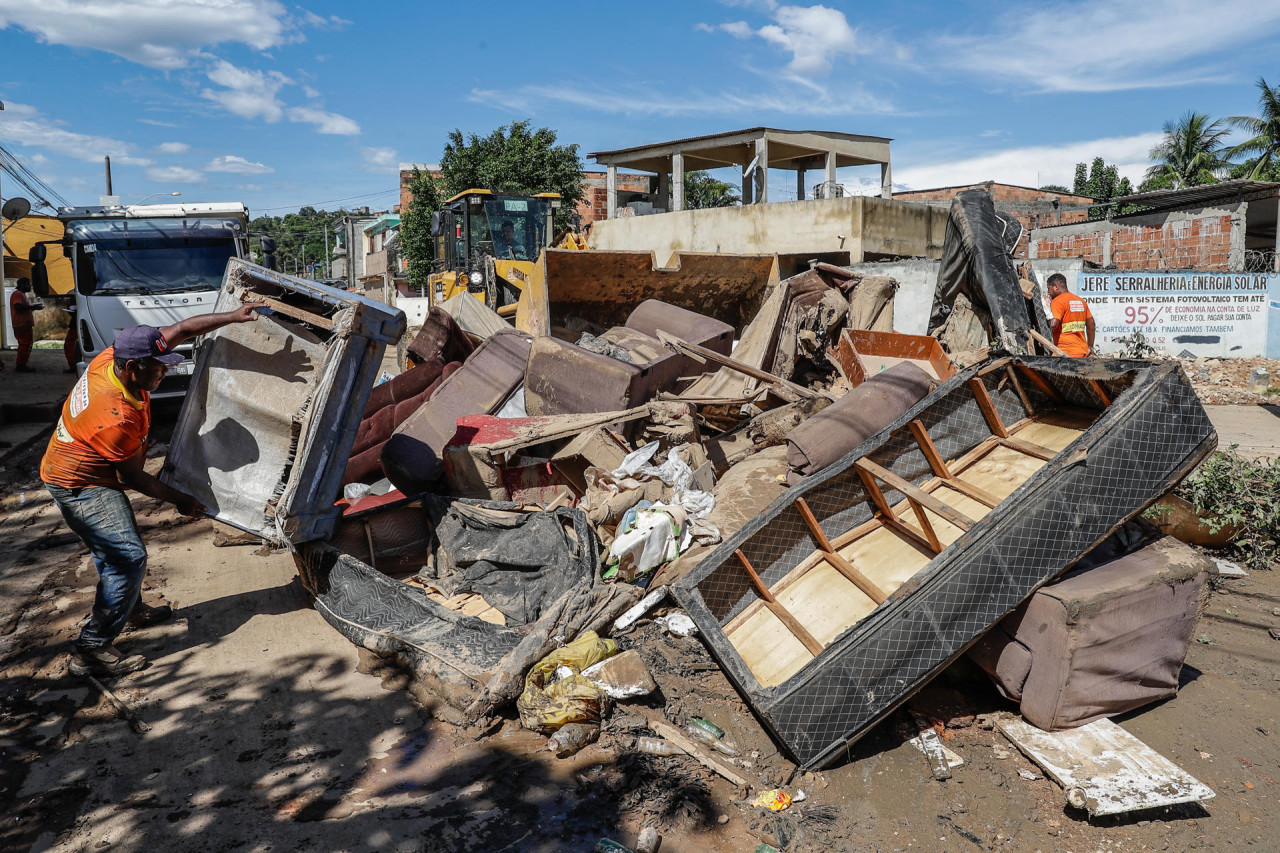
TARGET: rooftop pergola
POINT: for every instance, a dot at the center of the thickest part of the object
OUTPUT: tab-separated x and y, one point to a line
754	151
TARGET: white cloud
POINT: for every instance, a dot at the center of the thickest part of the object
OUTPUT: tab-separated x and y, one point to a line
815	36
250	188
1109	45
248	94
325	122
25	125
310	92
380	159
157	123
174	175
163	34
172	148
1030	166
237	166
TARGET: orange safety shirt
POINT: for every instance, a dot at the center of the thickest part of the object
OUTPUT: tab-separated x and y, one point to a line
20	313
101	424
1072	336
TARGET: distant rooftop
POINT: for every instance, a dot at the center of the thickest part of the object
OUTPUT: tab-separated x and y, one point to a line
1239	189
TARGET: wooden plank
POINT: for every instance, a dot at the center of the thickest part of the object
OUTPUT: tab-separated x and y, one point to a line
1041	383
1103	768
784	615
926	526
289	310
1022	394
916	494
1049	346
1029	447
994	365
674	735
839	563
988	407
979	495
1100	391
702	353
929	449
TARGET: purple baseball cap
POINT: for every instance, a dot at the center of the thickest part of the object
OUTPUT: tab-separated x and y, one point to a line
144	342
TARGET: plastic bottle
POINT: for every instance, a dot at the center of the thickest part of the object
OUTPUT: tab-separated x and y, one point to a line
709	733
657	746
572	737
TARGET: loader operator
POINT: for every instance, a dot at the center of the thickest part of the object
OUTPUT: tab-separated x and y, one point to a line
1073	325
96	452
506	245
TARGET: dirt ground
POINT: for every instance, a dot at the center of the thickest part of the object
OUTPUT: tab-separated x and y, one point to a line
270	732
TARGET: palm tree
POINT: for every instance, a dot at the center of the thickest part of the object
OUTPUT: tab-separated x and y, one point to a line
1191	152
1265	131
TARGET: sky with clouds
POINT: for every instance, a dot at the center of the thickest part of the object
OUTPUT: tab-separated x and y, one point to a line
280	105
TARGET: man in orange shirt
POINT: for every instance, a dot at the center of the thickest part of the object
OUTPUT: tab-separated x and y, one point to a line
1072	320
96	452
22	316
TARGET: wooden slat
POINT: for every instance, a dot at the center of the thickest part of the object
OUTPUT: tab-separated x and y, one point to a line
911	533
1030	448
1100	391
784	616
988	407
927	526
1041	383
917	495
1022	395
289	310
840	564
980	495
1049	346
887	515
704	354
929	449
994	365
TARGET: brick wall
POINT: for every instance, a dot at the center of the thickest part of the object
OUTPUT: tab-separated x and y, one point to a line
1201	242
595	197
1008	197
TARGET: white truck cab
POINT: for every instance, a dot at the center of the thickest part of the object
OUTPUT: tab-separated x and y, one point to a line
149	264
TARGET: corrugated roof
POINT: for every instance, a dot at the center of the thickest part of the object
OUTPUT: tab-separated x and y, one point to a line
1191	196
760	130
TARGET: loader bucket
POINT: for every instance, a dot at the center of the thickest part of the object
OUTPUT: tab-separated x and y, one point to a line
603	287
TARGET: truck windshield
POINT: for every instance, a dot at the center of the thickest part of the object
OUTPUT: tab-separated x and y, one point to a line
517	226
152	255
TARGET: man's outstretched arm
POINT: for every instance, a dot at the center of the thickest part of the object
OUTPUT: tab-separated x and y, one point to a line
194	326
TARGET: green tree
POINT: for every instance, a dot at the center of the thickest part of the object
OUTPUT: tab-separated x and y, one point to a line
416	243
1055	188
703	191
514	159
1191	153
300	238
1264	132
1101	182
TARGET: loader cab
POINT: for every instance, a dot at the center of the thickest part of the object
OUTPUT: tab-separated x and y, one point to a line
486	243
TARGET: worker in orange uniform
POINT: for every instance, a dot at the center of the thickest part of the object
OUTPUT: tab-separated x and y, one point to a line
22	315
1073	326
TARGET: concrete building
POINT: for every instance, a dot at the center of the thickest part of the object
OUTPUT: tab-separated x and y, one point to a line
406	178
755	151
347	261
594	205
1034	208
1224	227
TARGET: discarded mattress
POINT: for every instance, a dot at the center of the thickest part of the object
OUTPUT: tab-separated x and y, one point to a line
413	458
458	627
566	379
860	584
855	417
975	263
1100	641
273	405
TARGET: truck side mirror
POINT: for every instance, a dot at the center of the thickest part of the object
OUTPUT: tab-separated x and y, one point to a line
437	223
39	273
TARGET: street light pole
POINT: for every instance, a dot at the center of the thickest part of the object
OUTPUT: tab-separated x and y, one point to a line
153	195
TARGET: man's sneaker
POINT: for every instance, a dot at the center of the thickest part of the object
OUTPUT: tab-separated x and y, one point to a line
144	615
104	660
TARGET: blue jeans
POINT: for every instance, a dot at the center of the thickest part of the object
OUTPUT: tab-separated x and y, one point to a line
103	518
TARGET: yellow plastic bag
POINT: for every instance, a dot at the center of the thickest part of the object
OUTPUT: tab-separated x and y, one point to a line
546	705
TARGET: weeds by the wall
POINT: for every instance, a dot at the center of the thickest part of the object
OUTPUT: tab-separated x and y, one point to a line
1245	493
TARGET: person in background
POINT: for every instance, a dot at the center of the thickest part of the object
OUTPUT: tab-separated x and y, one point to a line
96	452
23	318
1073	326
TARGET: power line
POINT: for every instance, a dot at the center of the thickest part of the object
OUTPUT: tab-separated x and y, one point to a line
329	201
30	181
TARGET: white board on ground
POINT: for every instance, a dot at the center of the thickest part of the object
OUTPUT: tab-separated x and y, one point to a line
1114	770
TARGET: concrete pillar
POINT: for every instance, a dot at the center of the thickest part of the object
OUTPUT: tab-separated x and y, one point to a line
830	177
800	184
886	181
677	182
664	191
611	192
761	176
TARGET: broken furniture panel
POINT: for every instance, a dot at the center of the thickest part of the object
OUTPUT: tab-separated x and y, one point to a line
860	354
1104	769
1100	641
274	405
863	582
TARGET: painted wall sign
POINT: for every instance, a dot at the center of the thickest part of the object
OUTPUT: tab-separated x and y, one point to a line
1188	314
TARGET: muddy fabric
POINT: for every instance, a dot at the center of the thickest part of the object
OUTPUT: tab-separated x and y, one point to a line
365	465
1102	641
855	417
519	561
806	292
871	304
440	336
976	263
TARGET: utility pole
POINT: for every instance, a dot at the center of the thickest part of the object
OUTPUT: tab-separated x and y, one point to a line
326	267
